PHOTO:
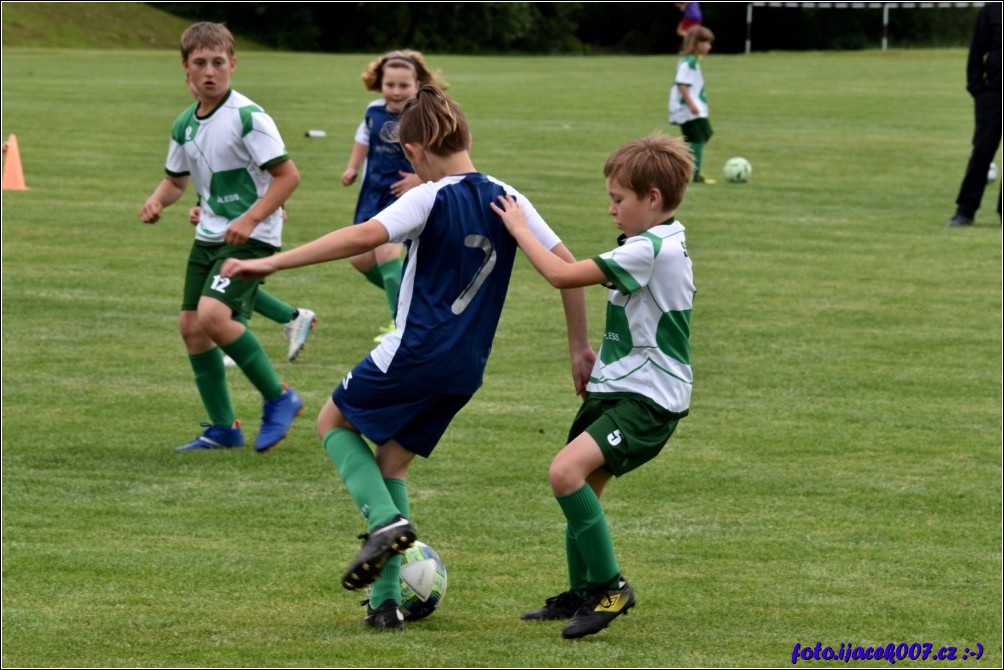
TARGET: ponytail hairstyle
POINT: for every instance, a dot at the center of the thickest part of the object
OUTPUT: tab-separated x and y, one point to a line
407	59
694	35
435	122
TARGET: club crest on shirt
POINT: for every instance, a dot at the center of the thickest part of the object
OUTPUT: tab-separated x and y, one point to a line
388	132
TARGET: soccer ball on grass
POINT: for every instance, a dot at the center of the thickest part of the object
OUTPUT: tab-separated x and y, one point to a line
738	170
423	581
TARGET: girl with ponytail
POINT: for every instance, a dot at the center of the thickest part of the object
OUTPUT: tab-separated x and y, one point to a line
403	395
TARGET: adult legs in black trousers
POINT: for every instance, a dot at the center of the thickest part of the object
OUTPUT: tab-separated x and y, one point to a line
986	141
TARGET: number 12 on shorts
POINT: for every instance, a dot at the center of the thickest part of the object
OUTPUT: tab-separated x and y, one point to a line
220	284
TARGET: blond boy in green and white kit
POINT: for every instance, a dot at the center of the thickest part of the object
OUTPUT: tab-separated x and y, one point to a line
641	383
233	152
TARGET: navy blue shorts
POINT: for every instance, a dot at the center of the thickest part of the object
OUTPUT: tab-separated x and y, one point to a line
384	409
373	199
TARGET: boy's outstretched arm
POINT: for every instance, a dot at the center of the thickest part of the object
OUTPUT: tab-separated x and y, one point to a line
573	299
167	193
559	272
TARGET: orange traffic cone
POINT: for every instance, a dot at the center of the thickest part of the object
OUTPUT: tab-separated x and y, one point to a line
13	176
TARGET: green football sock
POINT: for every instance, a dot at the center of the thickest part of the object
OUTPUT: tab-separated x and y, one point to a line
578	573
374	277
391	274
698	149
588	525
211	380
388	584
358	468
272	308
251	358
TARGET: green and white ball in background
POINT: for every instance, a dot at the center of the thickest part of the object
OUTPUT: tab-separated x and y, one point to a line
992	173
738	170
423	581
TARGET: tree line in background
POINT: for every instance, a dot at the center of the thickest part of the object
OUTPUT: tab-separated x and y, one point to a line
569	27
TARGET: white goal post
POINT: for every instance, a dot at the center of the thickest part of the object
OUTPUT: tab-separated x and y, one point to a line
884	6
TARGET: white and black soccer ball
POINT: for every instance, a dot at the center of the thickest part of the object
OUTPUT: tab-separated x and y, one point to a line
992	173
737	170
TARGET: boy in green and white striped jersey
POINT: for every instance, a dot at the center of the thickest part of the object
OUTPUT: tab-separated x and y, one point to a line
233	154
641	383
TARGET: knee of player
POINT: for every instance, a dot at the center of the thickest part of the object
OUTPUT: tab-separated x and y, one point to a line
211	322
188	325
564	480
329	418
322	427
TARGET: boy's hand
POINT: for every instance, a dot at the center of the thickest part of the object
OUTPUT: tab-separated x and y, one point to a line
167	193
194	214
150	211
258	267
349	176
511	213
582	369
239	231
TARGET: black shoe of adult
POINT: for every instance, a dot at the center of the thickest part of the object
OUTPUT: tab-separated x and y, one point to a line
959	220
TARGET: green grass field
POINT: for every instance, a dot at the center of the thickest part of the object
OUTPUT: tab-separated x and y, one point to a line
838	479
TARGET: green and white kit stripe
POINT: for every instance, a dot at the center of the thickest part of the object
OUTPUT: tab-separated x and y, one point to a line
227	155
646	343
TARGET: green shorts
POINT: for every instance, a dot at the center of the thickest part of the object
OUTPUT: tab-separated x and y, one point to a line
630	429
202	276
698	130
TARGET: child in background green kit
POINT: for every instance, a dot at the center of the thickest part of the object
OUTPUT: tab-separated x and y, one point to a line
688	98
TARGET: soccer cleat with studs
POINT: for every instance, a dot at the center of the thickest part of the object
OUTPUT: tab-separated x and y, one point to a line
602	605
216	437
387	616
379	545
277	419
298	330
562	606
